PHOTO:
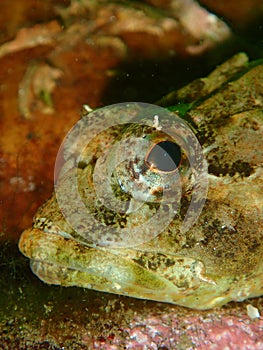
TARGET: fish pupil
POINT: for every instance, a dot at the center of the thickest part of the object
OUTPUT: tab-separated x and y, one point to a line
164	156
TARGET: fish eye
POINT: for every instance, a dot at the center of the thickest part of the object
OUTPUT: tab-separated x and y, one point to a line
164	156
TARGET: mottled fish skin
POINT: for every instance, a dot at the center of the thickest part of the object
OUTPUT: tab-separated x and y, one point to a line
220	258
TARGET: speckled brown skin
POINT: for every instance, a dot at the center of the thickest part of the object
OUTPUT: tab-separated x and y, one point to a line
217	260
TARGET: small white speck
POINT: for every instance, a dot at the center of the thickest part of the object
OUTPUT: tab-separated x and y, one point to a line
212	19
87	108
117	286
252	312
230	323
156	123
